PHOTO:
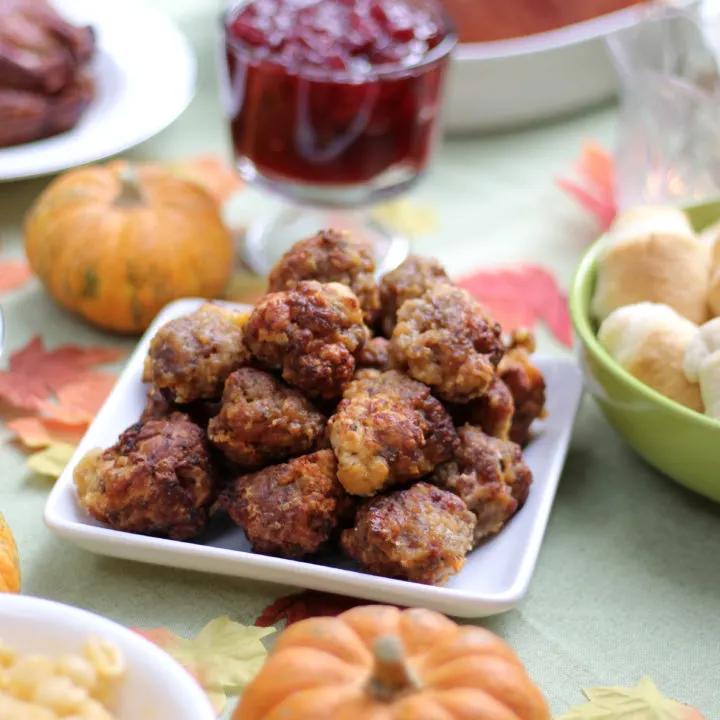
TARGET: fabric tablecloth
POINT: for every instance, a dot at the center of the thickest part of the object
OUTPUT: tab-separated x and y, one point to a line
628	579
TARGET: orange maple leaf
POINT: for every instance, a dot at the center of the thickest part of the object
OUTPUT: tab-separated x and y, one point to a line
40	432
80	400
593	187
34	372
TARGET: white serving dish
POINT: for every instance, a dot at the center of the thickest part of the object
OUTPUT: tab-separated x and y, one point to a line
495	577
499	85
156	687
145	75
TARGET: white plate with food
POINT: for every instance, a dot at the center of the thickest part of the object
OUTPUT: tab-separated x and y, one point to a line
85	662
111	88
494	578
528	78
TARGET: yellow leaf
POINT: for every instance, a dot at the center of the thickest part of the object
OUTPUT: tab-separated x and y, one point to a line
643	702
51	461
406	218
223	657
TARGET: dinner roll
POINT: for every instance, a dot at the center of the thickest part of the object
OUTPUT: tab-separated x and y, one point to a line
702	365
649	340
653	255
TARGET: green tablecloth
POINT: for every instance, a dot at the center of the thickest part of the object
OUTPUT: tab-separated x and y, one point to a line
628	580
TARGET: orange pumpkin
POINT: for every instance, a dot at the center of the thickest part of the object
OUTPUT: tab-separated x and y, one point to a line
9	561
115	243
379	663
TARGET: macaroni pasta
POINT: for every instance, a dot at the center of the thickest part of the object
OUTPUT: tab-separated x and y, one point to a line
71	687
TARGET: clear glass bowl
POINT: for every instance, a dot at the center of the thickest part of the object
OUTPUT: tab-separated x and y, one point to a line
330	138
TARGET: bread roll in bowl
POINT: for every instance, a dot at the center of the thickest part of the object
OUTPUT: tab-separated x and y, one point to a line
702	365
653	255
650	340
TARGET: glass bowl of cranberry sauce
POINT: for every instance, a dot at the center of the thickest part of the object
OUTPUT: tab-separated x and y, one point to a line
335	102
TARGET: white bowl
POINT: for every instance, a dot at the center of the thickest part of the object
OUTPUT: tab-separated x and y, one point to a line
156	687
497	85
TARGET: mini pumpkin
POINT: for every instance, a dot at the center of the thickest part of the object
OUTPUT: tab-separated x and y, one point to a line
114	243
376	662
9	561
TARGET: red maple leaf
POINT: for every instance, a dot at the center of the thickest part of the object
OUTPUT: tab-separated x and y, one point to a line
34	372
519	297
306	604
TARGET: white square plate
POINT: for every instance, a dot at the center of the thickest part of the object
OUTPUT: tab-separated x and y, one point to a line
494	579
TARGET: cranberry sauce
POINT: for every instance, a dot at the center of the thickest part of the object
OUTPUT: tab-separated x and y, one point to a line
335	91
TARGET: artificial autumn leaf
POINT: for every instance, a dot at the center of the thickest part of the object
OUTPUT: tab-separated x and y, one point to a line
593	186
35	372
39	432
643	702
52	460
13	275
223	657
309	603
216	177
519	297
80	400
406	218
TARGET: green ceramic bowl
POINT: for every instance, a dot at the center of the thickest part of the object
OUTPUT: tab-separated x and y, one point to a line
679	442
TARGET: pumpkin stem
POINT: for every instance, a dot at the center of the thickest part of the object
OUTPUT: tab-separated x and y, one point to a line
392	676
131	194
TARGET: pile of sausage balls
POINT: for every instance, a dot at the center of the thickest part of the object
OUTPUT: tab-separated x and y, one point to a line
384	418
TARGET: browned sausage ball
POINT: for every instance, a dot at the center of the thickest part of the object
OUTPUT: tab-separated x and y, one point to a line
411	279
446	340
191	356
526	385
158	406
490	475
312	333
421	534
388	429
330	256
292	509
158	479
375	354
493	412
263	421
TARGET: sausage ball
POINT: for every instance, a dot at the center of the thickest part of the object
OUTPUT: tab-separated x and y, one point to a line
331	256
262	421
375	354
421	534
489	475
526	384
493	412
158	406
312	333
191	356
409	280
387	430
292	509
446	340
157	479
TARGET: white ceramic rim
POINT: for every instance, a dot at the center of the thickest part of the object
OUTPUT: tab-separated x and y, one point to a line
173	673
